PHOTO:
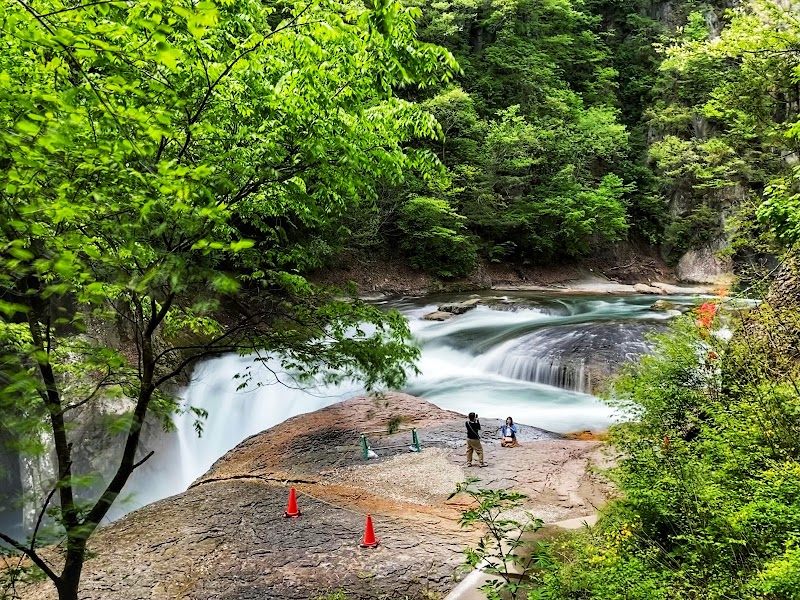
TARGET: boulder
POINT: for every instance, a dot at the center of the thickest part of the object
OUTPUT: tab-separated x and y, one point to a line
663	305
702	265
438	316
643	288
458	308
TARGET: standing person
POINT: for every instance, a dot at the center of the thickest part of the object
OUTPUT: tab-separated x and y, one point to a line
474	439
509	433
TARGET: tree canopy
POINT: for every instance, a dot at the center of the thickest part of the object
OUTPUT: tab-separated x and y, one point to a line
171	169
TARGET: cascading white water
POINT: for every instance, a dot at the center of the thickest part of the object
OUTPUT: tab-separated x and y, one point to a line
496	360
534	358
235	412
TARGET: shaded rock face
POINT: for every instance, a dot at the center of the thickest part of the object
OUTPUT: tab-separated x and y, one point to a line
702	265
96	449
10	487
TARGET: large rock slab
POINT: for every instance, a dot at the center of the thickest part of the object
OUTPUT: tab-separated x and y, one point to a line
229	540
225	538
703	265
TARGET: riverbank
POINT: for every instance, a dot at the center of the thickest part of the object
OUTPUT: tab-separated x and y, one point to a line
225	537
622	272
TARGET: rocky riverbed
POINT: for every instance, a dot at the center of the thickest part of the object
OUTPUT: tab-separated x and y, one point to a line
226	538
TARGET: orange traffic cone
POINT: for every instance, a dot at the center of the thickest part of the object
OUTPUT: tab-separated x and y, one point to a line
369	535
292	511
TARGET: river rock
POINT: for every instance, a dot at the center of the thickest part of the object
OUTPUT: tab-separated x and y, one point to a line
438	315
458	308
663	305
643	288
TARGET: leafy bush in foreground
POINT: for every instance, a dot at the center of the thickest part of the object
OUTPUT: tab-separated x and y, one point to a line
709	470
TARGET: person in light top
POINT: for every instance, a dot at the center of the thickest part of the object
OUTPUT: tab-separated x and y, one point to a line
509	433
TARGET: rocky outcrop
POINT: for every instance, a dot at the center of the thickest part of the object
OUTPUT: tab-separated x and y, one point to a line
226	536
228	539
459	308
703	265
10	486
784	292
446	311
438	315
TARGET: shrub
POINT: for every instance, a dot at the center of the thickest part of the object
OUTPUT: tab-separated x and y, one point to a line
709	471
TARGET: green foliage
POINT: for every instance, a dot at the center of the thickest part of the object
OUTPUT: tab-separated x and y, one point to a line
781	209
753	248
704	164
337	595
747	79
504	550
709	470
434	237
531	133
14	573
696	28
700	226
166	164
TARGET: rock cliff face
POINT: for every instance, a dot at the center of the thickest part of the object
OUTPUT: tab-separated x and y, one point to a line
785	290
700	261
226	538
703	265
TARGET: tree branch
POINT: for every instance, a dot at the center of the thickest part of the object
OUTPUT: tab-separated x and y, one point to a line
88	398
232	64
144	460
41	512
80	6
75	63
37	560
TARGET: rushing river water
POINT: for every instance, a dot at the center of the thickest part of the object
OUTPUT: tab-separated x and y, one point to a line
532	356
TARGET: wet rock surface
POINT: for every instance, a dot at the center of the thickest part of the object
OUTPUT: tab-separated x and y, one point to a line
438	315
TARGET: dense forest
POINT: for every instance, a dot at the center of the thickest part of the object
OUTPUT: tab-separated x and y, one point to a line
573	125
176	168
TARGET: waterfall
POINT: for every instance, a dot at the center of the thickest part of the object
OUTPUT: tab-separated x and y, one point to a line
568	357
235	412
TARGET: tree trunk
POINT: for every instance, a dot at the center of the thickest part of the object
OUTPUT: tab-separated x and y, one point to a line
71	575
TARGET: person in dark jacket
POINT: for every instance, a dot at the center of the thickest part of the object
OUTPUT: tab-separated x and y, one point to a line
474	439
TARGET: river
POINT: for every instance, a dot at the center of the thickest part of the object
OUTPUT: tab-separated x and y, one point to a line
533	356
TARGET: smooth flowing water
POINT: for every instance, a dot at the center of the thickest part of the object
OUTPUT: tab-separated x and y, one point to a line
532	356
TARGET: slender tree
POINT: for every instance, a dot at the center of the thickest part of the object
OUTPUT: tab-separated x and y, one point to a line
167	166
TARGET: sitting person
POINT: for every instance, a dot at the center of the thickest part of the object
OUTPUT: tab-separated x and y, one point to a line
509	433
